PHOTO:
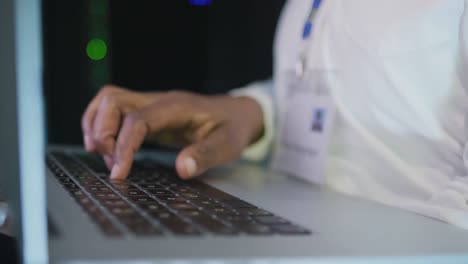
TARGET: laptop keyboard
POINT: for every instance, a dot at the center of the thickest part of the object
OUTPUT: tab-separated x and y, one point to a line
153	201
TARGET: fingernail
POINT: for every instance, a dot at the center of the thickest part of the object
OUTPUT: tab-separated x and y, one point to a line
190	166
115	171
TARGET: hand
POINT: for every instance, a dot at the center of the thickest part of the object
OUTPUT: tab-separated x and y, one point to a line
213	129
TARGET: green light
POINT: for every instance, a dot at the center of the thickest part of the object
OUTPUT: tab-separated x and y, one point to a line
96	49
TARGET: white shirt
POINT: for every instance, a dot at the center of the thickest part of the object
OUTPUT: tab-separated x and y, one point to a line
399	136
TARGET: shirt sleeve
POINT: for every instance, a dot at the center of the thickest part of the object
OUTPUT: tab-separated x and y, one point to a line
262	92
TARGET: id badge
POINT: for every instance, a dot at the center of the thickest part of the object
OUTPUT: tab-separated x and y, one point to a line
306	126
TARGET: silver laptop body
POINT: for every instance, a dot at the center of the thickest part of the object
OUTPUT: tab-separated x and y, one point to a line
342	227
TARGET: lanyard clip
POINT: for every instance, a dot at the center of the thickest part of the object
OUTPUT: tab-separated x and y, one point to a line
300	66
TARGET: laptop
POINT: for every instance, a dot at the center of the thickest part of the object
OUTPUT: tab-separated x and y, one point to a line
65	209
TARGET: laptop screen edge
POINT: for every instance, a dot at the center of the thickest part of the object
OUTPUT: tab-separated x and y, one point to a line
28	44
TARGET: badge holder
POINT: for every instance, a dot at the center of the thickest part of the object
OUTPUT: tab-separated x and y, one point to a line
306	127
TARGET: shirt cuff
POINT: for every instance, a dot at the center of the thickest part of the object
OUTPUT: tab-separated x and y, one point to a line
262	93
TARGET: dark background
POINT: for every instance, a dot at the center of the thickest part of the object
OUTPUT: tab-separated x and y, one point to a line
153	45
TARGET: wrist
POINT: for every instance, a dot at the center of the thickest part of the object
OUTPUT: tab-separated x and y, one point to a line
251	116
245	114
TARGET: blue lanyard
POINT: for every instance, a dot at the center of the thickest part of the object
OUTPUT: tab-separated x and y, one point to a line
308	26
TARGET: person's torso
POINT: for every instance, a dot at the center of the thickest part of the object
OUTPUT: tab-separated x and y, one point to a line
400	104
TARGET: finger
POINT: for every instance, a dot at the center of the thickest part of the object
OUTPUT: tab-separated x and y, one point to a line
106	124
131	136
114	105
213	150
109	161
87	123
87	120
135	127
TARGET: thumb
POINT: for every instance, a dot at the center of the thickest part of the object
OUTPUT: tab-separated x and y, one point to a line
204	154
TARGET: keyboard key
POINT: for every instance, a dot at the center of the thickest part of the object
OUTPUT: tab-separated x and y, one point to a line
142	181
123	211
179	227
83	173
253	211
90	183
134	193
152	207
77	194
65	180
125	188
171	184
121	184
191	195
101	189
181	206
114	203
271	220
104	198
289	229
204	203
105	195
82	178
215	226
141	199
221	211
169	198
191	213
181	189
160	192
84	201
238	204
147	186
71	186
255	229
164	216
59	173
237	218
97	193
